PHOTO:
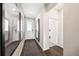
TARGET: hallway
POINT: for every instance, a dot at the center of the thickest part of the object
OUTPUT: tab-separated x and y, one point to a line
38	27
53	26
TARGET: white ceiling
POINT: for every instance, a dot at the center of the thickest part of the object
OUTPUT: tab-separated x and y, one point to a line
10	9
31	9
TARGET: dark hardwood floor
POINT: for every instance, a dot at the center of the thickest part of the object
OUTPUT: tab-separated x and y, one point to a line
11	48
54	51
31	48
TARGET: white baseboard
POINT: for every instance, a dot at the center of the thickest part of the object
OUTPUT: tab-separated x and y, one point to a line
18	50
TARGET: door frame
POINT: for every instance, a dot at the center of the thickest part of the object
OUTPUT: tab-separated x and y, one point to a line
20	26
2	34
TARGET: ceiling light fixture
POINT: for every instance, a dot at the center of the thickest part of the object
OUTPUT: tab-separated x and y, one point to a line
14	9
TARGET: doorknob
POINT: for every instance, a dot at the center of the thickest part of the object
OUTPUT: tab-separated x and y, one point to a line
49	30
49	37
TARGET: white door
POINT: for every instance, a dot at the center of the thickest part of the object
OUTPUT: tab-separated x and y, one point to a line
29	29
53	30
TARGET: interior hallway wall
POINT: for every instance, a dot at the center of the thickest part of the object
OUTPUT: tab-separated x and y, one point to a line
13	33
60	27
41	17
45	32
14	29
29	34
12	22
10	30
71	29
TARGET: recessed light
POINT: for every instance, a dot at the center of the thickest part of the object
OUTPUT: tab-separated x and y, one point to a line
31	12
14	9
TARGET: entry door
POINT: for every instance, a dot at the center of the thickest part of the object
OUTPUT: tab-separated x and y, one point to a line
29	30
53	30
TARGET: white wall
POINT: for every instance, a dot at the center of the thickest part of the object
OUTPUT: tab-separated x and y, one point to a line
71	29
60	27
46	32
15	33
40	16
29	34
13	17
14	29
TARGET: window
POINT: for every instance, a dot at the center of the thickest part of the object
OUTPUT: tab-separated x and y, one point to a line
29	26
6	25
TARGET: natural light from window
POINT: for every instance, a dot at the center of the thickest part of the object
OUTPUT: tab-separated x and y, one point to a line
6	25
29	26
